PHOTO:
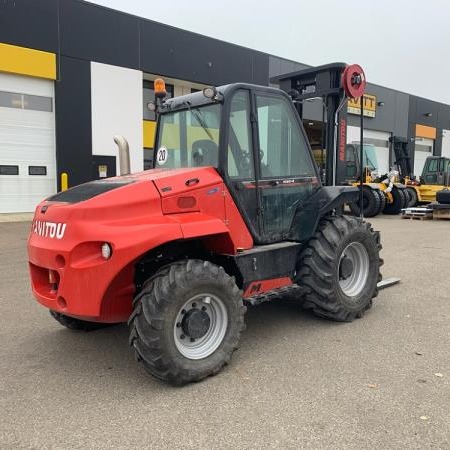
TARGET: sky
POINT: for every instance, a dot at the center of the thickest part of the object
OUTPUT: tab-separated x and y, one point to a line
400	44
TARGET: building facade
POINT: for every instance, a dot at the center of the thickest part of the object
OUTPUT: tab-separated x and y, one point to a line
73	75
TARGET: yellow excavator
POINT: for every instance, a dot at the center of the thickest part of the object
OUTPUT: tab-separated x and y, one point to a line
382	193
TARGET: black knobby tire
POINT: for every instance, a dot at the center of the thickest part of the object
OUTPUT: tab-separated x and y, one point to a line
413	197
371	203
397	204
443	197
319	268
156	311
76	324
406	197
382	200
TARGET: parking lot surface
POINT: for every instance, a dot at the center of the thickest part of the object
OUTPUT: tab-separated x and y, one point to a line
295	382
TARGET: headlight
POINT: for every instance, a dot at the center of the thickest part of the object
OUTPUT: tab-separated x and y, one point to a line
106	250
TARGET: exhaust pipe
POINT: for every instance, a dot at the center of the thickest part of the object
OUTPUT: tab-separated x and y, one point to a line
124	154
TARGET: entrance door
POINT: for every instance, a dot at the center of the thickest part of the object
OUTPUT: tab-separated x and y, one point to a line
27	142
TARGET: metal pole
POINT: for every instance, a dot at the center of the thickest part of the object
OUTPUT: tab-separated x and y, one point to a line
361	159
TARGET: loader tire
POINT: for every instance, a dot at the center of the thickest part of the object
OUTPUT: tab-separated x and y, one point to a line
382	201
413	198
443	197
76	324
187	321
339	268
397	204
406	197
371	203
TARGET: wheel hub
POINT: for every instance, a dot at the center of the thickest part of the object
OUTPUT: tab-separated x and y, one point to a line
200	326
346	267
195	323
353	269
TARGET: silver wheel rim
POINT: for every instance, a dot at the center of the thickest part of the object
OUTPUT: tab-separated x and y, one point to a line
354	283
199	348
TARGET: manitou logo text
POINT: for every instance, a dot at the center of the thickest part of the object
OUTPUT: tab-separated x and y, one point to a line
49	229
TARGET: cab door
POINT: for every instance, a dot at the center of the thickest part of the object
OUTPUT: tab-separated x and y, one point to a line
285	172
239	160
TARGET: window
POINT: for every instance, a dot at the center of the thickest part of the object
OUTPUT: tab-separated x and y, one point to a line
240	153
37	170
283	148
433	166
189	138
9	170
149	96
26	101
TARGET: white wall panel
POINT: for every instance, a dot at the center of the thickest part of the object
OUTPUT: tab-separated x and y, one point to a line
116	95
446	143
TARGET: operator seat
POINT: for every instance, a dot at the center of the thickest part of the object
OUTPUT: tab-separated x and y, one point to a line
205	153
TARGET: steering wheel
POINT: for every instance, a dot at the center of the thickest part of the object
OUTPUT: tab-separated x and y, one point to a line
244	164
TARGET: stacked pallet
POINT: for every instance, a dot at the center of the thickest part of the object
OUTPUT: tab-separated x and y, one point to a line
420	213
440	211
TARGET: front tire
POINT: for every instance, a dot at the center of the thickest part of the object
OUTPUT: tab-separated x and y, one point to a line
413	197
398	200
371	203
187	321
339	268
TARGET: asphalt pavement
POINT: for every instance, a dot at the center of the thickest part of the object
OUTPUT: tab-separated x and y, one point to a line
296	381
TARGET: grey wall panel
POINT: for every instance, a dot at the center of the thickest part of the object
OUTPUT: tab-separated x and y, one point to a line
443	118
99	34
30	23
391	117
73	121
180	54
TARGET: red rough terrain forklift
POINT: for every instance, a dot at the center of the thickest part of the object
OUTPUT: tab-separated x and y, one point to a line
233	213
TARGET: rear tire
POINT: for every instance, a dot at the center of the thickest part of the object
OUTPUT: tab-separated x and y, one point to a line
443	197
397	204
371	203
413	198
337	288
76	324
186	321
406	197
382	201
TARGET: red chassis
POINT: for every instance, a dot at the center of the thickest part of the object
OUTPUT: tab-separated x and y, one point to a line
69	273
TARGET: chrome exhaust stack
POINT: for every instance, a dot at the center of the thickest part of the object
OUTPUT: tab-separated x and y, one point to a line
124	154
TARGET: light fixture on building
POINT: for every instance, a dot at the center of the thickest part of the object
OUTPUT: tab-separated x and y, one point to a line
381	103
310	123
428	114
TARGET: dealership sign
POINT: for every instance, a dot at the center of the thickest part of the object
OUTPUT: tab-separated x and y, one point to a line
370	105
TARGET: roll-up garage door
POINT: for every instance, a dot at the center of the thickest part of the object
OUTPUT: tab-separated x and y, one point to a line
423	148
380	139
27	142
446	143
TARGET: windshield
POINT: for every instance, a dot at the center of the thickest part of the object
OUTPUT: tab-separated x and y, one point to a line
189	138
370	157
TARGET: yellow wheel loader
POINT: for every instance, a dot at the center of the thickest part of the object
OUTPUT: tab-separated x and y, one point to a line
381	193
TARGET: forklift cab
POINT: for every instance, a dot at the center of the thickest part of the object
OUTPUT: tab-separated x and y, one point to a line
352	160
253	136
436	171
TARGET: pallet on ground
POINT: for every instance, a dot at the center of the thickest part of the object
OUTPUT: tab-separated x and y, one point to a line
442	213
417	213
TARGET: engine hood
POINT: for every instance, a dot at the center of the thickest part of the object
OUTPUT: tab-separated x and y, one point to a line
132	195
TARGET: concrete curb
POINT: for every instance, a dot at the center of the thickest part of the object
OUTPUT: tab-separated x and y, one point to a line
16	217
